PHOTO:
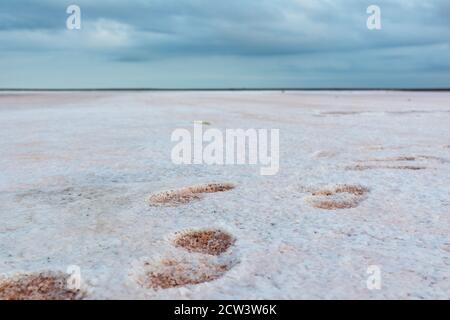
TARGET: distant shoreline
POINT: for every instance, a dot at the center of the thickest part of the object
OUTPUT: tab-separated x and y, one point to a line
226	89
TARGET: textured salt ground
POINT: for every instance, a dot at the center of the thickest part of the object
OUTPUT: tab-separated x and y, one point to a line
78	169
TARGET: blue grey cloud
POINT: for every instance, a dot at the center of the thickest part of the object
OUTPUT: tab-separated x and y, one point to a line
237	43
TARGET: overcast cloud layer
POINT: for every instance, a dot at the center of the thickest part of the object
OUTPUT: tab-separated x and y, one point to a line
224	44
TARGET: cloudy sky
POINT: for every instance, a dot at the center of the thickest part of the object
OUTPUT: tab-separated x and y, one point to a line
224	43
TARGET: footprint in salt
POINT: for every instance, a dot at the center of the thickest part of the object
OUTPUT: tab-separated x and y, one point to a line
187	194
38	286
338	197
204	260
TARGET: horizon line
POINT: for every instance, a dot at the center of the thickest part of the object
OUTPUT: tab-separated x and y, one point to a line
222	89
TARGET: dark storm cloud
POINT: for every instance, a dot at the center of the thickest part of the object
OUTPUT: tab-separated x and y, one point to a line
283	32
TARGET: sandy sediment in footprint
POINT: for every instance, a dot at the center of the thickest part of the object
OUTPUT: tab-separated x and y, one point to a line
418	162
176	272
207	241
408	158
37	286
187	194
324	154
340	113
392	167
402	158
338	197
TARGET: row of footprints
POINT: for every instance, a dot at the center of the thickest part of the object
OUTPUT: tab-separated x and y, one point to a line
207	258
207	255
